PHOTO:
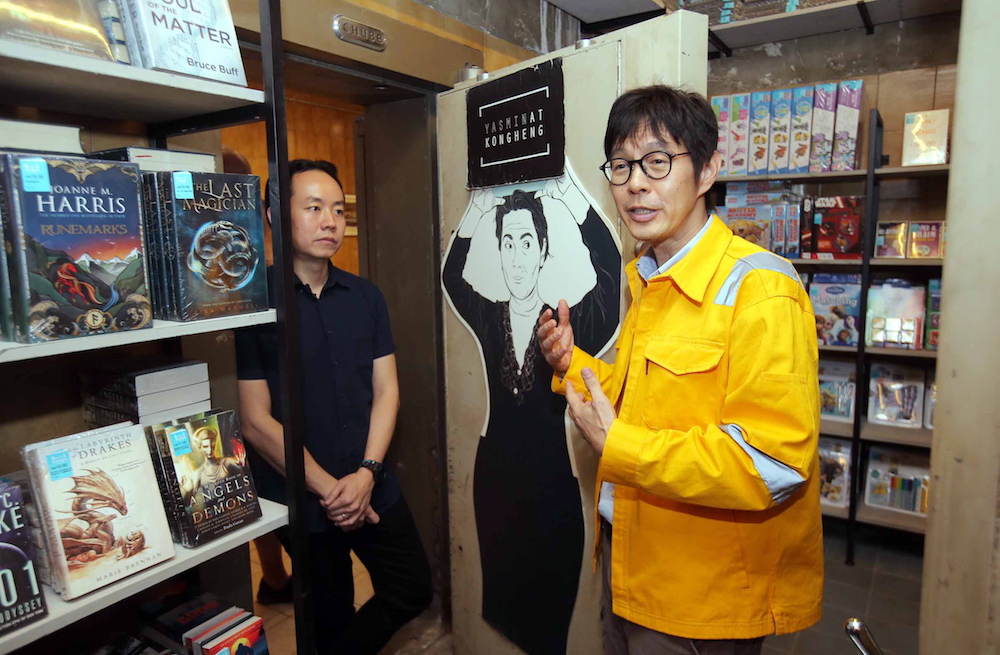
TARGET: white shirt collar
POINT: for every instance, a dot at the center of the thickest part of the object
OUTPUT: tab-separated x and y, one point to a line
646	266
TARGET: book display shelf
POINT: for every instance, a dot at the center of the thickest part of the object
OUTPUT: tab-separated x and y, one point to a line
171	105
861	433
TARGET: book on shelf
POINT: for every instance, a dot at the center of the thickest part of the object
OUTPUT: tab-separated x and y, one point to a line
834	472
926	240
932	334
151	403
114	30
143	375
760	132
246	638
70	26
169	627
211	253
74	248
930	401
836	300
30	509
896	395
739	134
39	137
898	480
155	160
203	462
837	390
192	38
895	315
101	523
125	644
21	599
213	626
95	416
890	239
925	138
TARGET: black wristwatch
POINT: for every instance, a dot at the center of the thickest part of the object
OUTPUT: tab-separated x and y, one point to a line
377	469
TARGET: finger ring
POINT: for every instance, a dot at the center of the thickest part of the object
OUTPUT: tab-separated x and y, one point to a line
343	516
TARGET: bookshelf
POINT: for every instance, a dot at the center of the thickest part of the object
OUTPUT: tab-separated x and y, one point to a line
919	437
171	105
888	518
161	330
63	613
56	80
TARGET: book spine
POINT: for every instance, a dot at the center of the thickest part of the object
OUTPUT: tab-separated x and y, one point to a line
6	309
117	402
95	416
151	221
53	542
17	265
138	44
111	19
188	532
168	232
161	483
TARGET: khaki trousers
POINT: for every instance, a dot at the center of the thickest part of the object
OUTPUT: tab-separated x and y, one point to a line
622	637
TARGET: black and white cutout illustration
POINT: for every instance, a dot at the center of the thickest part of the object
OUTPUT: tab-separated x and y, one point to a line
518	250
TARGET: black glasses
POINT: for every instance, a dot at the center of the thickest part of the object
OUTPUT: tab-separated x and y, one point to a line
656	166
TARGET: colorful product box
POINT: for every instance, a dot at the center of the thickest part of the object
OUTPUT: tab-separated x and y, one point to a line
756	186
720	105
890	239
834	454
926	240
845	138
779	221
746	199
823	123
781	125
933	331
739	133
801	129
835	230
760	131
836	390
836	301
752	223
925	138
896	396
895	317
792	231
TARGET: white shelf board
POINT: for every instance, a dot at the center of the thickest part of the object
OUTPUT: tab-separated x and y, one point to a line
56	80
14	352
901	352
891	519
939	170
838	349
836	428
825	19
836	512
62	613
920	437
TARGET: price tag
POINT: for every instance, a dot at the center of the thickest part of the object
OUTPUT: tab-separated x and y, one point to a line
183	186
180	443
60	465
35	176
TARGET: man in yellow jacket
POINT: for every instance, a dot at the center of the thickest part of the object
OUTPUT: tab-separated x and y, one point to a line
707	423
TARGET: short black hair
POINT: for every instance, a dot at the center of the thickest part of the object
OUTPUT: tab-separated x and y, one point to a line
524	200
297	166
686	116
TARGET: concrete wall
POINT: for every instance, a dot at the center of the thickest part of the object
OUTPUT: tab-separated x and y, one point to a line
919	43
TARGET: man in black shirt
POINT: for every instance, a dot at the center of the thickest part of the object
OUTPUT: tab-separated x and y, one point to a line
350	398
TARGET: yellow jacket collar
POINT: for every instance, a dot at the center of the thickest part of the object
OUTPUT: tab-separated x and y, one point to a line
694	272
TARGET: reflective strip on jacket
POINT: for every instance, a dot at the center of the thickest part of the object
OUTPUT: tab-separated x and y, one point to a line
717	525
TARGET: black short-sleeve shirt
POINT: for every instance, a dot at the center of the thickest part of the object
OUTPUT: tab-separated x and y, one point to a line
341	333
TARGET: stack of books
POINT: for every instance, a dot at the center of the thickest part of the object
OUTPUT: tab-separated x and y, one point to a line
146	391
207	625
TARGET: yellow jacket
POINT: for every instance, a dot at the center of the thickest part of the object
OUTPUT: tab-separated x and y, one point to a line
717	528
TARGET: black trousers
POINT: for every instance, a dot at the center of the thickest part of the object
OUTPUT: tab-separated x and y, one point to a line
401	577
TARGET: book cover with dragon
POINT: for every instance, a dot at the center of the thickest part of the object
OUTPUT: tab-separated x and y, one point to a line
213	490
102	523
74	242
21	598
213	244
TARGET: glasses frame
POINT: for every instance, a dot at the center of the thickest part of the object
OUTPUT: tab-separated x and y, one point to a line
606	166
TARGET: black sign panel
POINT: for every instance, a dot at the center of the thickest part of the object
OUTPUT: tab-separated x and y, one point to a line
516	126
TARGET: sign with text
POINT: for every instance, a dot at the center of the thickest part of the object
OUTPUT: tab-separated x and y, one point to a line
516	127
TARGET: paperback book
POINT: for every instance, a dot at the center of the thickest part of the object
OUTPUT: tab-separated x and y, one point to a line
74	244
101	522
21	598
212	244
70	26
834	472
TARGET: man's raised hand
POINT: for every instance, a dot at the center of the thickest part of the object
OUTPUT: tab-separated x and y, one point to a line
556	338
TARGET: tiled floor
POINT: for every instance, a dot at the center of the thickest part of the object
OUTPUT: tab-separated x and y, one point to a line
882	588
425	635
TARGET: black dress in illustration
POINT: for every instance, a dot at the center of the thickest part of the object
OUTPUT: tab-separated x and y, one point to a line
529	517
